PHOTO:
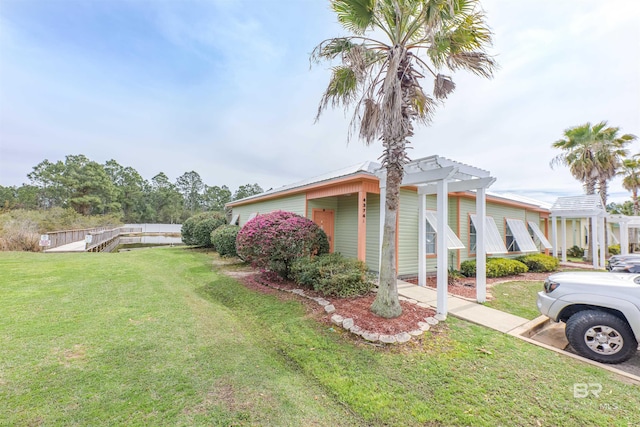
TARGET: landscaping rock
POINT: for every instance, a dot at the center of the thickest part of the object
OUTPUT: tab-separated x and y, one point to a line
402	337
440	317
432	321
329	308
370	336
347	323
387	339
355	329
298	292
416	333
323	302
337	319
424	326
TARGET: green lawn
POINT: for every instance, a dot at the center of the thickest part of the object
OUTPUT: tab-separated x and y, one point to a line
518	297
158	337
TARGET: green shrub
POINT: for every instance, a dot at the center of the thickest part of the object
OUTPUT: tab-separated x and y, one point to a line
575	252
614	250
196	230
223	240
539	263
496	267
333	275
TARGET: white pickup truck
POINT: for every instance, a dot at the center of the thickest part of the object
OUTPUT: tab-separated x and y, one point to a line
601	310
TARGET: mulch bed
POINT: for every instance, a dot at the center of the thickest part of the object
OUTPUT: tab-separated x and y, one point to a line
356	308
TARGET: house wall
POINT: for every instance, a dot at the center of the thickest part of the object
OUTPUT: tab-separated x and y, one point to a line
408	233
295	204
373	231
324	203
346	226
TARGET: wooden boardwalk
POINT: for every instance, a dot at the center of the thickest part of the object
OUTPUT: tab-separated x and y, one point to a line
89	240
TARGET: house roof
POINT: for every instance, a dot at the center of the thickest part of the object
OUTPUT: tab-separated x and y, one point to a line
364	167
370	168
578	206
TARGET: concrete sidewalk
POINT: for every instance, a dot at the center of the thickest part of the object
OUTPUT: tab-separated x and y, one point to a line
464	308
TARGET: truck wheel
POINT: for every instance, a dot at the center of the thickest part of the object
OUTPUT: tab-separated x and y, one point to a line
601	336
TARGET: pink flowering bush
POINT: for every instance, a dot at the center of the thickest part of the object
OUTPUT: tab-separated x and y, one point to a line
273	241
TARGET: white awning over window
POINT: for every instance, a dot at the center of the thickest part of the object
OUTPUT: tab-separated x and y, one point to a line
234	219
521	235
540	235
452	240
493	242
253	215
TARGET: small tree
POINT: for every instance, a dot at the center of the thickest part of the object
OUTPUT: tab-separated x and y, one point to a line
273	241
223	240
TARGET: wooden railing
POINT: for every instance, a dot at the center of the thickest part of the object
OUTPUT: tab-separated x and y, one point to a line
59	238
106	240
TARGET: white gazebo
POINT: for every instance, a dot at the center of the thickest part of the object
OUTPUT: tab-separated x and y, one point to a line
579	207
626	223
438	175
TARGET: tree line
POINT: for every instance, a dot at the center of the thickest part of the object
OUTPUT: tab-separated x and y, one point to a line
91	188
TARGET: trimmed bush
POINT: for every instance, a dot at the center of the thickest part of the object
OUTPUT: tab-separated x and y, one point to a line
333	275
196	230
539	263
496	267
223	240
614	250
273	241
575	252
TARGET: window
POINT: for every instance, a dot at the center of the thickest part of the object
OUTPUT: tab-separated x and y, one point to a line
430	239
472	236
512	245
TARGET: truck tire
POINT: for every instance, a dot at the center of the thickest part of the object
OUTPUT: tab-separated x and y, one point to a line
601	336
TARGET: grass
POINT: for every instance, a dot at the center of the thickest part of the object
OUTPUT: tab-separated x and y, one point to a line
517	297
156	337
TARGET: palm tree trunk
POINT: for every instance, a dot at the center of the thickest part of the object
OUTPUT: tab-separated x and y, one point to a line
636	205
387	303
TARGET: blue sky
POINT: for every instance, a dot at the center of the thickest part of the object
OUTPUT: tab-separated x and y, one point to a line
225	88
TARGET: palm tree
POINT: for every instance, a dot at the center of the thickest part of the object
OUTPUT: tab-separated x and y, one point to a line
394	44
593	154
630	173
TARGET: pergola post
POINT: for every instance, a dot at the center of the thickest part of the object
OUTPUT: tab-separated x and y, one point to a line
604	247
481	251
441	246
624	237
554	235
422	239
594	241
564	239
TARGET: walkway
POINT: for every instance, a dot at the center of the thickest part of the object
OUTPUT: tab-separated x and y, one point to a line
464	309
79	246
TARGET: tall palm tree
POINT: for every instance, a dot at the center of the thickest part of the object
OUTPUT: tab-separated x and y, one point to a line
630	173
593	154
394	44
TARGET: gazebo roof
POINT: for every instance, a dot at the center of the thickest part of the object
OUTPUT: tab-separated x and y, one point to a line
578	206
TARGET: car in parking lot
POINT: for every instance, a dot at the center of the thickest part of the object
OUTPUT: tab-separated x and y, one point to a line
601	311
617	260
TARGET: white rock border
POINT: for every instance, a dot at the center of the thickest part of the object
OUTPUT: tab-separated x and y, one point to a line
349	325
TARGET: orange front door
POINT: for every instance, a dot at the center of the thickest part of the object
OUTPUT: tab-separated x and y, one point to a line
325	220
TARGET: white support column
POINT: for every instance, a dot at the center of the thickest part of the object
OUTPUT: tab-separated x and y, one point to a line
624	238
604	247
564	239
441	243
554	235
481	247
422	240
594	241
574	229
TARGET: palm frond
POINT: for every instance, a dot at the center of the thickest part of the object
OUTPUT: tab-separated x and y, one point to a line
342	89
443	86
354	15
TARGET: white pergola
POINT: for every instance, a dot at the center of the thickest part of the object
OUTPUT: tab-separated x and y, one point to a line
438	175
578	207
626	223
